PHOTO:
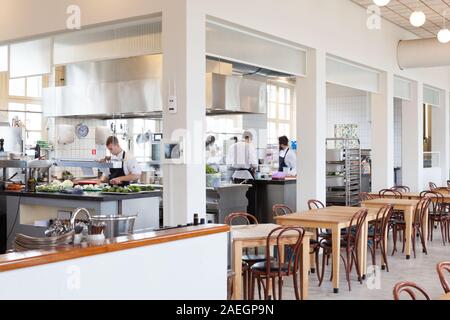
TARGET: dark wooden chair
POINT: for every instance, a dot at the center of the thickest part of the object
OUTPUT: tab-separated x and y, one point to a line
420	210
387	193
432	186
397	216
349	244
401	189
448	184
249	258
273	270
281	210
378	232
442	269
364	196
409	288
438	214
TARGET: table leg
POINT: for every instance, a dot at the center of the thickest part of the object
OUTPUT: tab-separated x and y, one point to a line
305	267
409	216
237	268
312	257
362	250
336	239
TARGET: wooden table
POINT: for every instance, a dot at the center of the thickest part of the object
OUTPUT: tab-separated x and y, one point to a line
408	207
334	218
413	196
445	297
256	236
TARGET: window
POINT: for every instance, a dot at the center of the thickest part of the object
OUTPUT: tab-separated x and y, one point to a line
24	108
281	112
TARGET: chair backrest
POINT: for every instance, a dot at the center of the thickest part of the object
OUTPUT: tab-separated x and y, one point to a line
448	184
432	186
315	204
436	201
401	188
387	193
410	288
422	208
382	220
442	268
242	217
363	196
281	210
293	258
354	230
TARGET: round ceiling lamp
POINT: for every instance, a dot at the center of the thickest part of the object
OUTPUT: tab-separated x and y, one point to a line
444	36
418	18
381	3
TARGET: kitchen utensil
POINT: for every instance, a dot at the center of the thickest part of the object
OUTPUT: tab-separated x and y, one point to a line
23	242
116	226
96	239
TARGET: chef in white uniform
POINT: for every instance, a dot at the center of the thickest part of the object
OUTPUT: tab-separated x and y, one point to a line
287	157
242	158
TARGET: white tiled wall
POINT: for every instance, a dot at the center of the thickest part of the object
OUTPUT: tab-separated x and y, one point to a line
397	133
351	110
80	148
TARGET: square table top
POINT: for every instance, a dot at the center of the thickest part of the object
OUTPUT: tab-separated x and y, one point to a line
258	232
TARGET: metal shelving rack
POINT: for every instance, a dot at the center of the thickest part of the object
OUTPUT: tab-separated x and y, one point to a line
343	171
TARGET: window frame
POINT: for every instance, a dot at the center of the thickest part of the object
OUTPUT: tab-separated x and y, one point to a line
279	120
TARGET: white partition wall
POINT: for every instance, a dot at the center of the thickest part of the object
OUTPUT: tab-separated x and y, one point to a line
383	134
412	138
184	78
311	130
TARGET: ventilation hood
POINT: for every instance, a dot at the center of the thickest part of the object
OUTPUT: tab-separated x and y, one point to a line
235	94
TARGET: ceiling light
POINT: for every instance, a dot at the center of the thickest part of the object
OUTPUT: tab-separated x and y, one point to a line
444	36
418	18
381	3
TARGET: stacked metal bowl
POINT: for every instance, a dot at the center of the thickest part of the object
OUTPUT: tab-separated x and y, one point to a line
25	243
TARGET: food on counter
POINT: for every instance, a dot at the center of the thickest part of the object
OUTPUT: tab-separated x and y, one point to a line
91	188
210	170
128	189
14	187
31	184
55	186
67	175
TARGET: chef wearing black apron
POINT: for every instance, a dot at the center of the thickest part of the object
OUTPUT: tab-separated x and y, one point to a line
126	169
287	158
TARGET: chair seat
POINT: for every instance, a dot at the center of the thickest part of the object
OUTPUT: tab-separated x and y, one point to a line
262	267
253	258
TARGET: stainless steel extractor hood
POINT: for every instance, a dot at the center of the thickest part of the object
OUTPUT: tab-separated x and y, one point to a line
124	88
235	94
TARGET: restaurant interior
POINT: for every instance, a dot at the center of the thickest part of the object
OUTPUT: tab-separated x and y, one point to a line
288	150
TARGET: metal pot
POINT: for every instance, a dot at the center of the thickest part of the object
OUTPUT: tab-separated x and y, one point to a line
116	226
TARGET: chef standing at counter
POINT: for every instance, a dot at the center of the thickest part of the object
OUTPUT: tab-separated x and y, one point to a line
287	158
129	170
242	158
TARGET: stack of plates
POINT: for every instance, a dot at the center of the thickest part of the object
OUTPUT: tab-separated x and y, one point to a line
25	243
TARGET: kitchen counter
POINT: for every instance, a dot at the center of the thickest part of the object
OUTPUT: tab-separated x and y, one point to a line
140	266
19	211
278	182
89	196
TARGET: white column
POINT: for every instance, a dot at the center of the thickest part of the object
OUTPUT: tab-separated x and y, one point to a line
440	136
311	130
412	139
383	134
184	76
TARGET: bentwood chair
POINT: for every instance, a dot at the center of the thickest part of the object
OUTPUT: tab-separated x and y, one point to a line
349	244
397	216
438	214
273	270
401	188
442	268
386	193
364	196
432	186
420	211
249	258
378	232
282	210
409	288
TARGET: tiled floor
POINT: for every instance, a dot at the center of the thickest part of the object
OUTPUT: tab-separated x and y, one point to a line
421	270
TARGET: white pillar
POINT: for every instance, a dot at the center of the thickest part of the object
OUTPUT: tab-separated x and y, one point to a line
311	130
412	139
184	76
383	134
440	136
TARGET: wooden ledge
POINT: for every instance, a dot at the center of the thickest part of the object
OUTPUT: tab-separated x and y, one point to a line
13	261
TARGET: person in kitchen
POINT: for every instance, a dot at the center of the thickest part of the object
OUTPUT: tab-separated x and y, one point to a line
287	157
242	158
129	169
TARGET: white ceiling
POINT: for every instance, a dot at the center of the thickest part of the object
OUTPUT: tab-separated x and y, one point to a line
399	11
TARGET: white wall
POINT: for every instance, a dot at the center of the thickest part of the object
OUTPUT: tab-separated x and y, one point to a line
150	272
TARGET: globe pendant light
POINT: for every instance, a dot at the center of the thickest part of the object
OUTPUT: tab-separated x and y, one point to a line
381	3
418	18
444	36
